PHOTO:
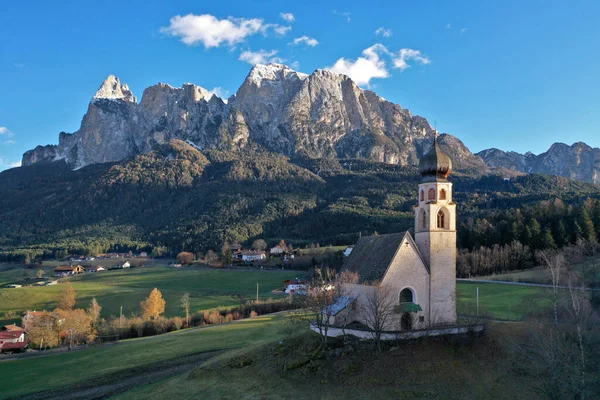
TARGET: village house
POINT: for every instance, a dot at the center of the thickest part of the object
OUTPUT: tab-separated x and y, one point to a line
277	250
295	286
253	255
13	328
235	247
143	254
123	265
418	274
67	270
95	268
12	341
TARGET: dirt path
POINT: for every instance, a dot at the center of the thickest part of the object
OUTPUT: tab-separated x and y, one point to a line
117	383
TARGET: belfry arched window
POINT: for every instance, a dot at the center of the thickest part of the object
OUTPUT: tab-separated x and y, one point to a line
422	195
443	194
423	219
431	194
441	220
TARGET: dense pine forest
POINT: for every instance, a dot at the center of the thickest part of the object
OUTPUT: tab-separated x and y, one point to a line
178	198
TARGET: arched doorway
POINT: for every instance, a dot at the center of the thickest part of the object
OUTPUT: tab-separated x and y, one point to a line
406	322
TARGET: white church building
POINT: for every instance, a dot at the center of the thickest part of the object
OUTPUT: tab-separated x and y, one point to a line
419	272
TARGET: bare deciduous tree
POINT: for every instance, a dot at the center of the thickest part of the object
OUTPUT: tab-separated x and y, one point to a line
185	304
378	311
554	262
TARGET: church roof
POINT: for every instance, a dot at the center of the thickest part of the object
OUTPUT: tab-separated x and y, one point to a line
372	255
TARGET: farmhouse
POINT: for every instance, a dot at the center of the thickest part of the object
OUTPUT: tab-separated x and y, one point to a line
277	250
12	341
417	274
124	264
67	270
96	268
13	328
252	255
295	286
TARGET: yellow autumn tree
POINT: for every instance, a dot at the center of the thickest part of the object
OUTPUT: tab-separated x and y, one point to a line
153	306
66	300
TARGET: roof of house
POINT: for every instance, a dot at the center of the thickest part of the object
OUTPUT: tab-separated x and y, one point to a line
372	255
16	345
67	267
13	328
10	335
95	267
252	252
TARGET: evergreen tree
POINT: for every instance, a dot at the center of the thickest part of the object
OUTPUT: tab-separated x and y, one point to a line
561	237
585	222
596	217
547	241
536	234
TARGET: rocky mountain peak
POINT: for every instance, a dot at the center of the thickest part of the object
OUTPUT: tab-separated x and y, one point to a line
112	89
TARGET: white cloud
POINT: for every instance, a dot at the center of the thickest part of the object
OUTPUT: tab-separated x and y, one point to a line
295	65
384	32
220	92
448	26
210	31
365	68
343	14
463	30
260	57
15	164
4	131
289	17
402	58
279	29
312	42
9	142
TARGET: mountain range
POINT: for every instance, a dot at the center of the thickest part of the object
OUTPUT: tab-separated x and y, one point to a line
323	114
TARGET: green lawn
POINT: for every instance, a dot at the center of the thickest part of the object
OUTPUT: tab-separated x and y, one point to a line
208	288
46	373
500	300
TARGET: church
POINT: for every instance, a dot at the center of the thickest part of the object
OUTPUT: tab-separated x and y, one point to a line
419	272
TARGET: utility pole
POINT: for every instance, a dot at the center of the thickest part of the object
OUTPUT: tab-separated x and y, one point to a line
121	321
257	292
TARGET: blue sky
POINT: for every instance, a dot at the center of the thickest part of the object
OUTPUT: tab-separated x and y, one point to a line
517	75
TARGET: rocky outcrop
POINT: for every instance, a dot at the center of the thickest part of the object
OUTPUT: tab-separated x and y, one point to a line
323	114
578	161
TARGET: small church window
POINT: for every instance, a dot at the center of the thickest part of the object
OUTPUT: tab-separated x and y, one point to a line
422	195
423	219
406	296
441	219
443	194
431	194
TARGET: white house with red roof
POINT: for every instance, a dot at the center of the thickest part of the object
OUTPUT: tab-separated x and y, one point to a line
12	341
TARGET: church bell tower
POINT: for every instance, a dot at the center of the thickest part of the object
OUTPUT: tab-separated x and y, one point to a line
435	233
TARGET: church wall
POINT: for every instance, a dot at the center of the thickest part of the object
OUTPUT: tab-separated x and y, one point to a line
443	277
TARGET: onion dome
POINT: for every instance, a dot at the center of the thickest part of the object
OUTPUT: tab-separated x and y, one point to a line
435	165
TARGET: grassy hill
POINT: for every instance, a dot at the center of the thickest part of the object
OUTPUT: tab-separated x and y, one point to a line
180	198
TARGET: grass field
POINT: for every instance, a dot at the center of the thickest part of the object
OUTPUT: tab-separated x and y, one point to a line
498	300
208	288
44	373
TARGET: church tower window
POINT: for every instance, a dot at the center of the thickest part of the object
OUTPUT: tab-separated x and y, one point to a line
422	195
431	194
441	219
423	219
443	194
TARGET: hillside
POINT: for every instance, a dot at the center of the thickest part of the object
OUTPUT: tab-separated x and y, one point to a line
178	197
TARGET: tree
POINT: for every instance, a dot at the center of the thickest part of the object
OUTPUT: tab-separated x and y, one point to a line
536	233
40	273
153	306
185	304
553	262
325	292
66	300
378	311
94	312
185	258
259	244
547	241
226	254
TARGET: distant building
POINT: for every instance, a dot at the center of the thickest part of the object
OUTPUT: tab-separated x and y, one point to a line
12	341
277	250
123	265
295	286
95	268
235	247
143	254
13	328
67	270
253	255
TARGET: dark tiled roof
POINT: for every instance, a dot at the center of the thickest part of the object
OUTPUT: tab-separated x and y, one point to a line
372	255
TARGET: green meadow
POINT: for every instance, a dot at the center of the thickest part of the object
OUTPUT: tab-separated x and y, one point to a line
208	288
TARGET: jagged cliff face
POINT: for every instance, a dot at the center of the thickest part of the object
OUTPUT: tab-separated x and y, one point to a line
578	161
319	115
